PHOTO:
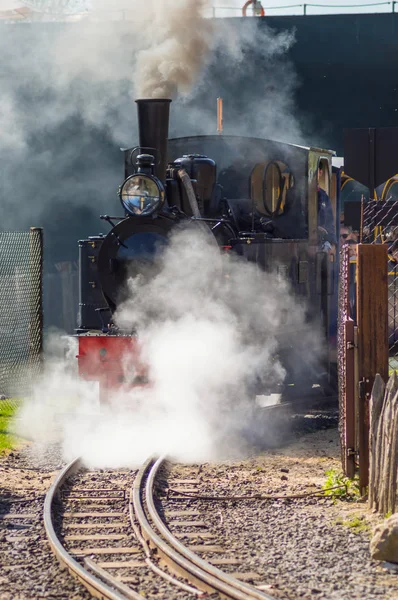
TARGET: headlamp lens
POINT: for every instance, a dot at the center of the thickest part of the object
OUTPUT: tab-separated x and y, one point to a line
141	195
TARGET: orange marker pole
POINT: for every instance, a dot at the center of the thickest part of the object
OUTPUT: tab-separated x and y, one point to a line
219	116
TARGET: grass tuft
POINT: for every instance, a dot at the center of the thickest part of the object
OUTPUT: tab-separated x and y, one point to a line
357	524
8	440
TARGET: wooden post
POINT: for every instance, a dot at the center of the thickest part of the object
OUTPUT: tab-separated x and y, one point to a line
372	321
393	458
384	445
375	411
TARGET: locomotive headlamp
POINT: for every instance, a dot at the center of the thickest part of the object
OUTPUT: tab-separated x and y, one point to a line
142	195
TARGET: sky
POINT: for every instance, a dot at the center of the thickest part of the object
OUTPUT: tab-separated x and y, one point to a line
233	8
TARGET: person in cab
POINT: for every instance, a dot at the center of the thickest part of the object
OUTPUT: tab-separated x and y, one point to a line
326	225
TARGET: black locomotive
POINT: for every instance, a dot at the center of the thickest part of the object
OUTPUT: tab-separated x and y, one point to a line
257	197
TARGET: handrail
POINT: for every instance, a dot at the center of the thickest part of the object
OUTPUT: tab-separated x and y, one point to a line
11	16
238	12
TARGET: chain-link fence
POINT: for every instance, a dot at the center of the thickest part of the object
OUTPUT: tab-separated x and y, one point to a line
61	296
346	361
21	315
380	226
343	315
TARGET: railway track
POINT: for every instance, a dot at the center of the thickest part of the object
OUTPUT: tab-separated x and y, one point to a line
123	535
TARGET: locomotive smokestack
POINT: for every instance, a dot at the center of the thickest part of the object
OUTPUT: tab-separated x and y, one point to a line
153	126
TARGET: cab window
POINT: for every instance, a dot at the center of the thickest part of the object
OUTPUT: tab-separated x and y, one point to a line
269	183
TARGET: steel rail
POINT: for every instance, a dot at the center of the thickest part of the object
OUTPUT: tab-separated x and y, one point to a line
239	586
96	587
149	552
208	577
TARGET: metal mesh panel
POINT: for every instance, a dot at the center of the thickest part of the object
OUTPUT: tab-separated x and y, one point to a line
380	225
343	316
379	221
61	297
21	320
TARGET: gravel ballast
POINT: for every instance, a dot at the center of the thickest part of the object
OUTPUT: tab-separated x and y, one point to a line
299	548
28	569
302	548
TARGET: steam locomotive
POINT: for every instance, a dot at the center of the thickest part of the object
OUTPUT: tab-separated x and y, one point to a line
257	197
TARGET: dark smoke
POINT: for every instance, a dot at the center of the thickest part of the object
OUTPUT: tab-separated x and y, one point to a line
179	40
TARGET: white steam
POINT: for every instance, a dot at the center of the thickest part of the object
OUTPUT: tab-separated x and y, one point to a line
209	328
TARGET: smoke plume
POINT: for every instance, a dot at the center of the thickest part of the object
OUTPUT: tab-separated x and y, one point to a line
180	40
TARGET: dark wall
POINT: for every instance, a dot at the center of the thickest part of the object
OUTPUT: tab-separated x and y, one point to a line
341	72
348	71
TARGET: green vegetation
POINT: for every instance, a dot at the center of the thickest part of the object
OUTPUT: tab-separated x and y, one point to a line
393	366
8	440
348	490
356	523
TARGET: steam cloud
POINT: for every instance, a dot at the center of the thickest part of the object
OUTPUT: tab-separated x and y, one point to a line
65	109
258	90
209	327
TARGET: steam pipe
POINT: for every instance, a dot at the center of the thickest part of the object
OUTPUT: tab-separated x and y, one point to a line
187	183
153	127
